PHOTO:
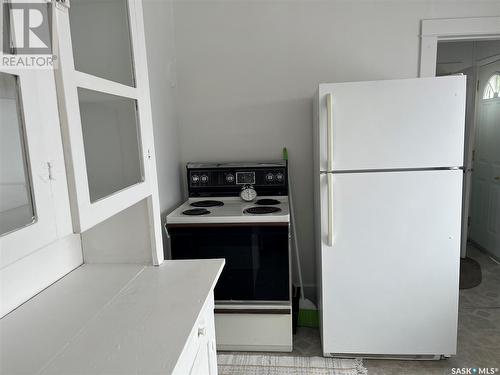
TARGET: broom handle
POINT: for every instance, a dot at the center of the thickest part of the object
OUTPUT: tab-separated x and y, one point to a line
294	231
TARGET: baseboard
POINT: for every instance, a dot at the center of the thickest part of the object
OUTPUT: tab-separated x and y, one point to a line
484	250
254	348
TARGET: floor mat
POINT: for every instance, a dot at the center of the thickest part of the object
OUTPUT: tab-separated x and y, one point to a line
251	364
470	273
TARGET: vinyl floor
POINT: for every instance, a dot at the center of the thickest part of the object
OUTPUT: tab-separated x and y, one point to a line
478	332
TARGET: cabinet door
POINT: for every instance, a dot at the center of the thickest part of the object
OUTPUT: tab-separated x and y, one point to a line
201	364
106	113
31	165
205	362
199	356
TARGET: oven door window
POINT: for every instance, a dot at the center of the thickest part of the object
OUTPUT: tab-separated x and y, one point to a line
257	263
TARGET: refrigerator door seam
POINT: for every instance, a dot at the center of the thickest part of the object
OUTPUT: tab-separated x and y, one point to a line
393	170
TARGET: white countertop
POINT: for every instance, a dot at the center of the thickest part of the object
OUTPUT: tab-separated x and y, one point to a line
232	212
103	319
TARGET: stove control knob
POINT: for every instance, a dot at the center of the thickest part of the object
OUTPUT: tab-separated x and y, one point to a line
204	178
195	178
229	177
269	177
280	177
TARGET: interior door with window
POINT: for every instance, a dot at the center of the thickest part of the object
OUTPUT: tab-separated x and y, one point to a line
106	112
485	194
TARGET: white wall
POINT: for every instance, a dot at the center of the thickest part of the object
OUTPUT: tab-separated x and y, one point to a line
159	30
246	72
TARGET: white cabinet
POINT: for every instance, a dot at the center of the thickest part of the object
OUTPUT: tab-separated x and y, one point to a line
201	364
103	91
199	356
34	206
37	246
117	318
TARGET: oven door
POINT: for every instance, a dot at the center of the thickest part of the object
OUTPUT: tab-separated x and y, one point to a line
257	257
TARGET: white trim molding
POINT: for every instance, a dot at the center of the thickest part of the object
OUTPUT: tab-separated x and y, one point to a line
434	30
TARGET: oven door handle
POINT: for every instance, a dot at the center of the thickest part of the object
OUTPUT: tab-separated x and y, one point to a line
266	311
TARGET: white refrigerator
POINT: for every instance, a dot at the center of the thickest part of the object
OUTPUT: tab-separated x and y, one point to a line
388	161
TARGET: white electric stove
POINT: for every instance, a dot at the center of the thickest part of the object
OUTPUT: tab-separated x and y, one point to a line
240	212
232	210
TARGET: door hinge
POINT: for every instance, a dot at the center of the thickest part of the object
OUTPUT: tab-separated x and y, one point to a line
477	86
149	154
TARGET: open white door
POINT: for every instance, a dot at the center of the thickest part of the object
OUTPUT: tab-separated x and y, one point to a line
485	191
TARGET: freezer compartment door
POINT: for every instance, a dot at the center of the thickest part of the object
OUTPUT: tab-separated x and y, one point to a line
410	123
390	278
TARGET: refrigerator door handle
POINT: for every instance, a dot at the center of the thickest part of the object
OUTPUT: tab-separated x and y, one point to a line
329	150
330	209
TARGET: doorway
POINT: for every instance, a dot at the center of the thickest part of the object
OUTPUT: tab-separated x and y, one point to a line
480	62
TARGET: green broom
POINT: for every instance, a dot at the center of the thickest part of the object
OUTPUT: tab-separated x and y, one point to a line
308	313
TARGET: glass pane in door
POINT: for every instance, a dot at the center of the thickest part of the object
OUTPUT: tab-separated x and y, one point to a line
100	34
111	139
16	203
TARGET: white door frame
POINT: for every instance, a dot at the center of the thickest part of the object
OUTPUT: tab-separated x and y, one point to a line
447	29
435	30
